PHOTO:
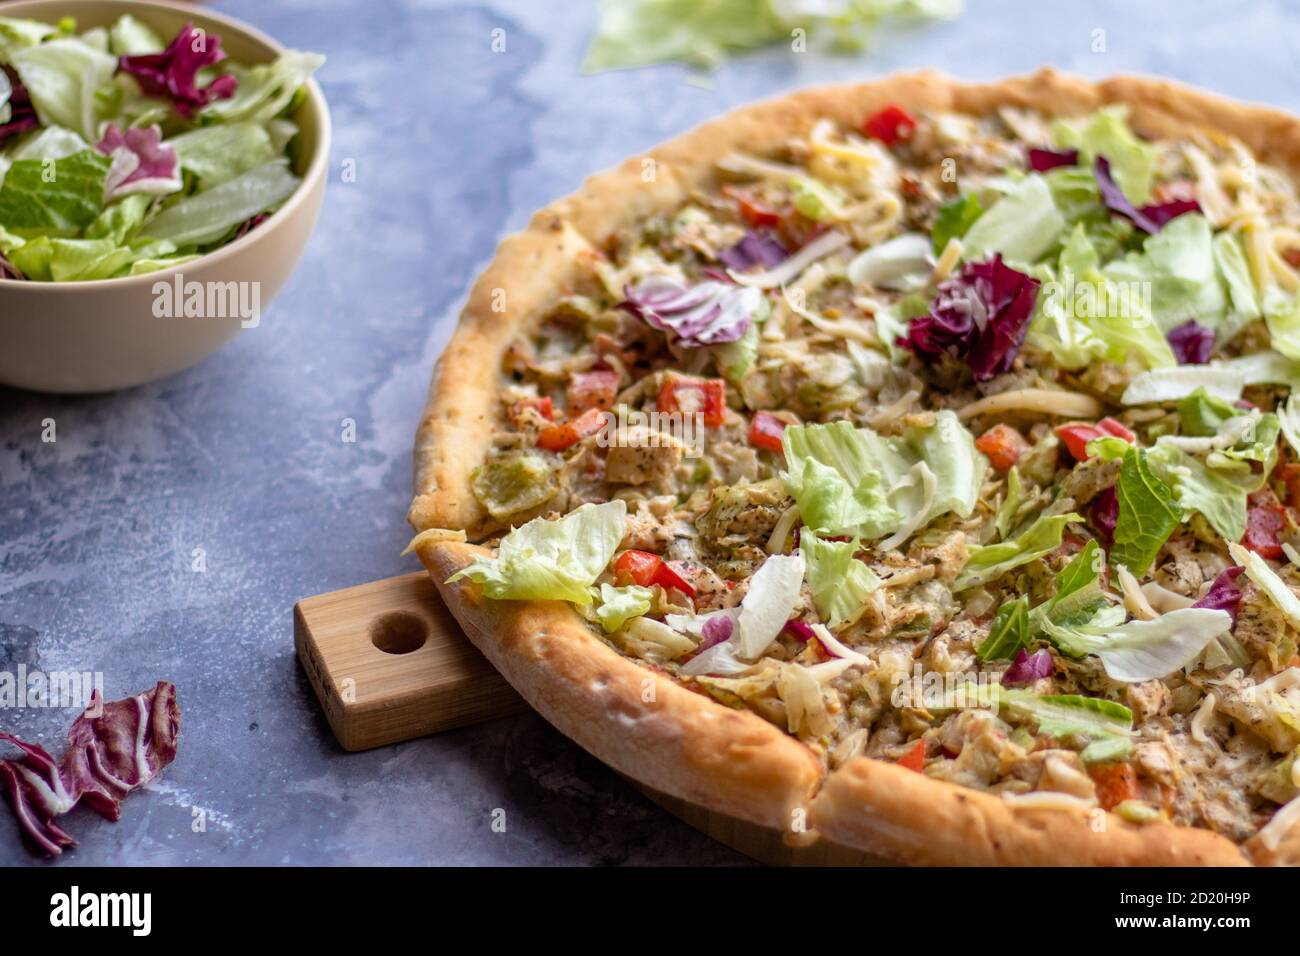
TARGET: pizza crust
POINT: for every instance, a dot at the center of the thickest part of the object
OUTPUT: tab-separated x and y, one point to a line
639	721
681	742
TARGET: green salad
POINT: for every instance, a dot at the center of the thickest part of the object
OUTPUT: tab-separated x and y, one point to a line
123	151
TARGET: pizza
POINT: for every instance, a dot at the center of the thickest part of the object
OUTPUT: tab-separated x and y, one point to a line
908	465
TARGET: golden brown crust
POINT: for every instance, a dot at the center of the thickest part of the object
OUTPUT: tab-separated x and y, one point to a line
683	743
886	809
640	722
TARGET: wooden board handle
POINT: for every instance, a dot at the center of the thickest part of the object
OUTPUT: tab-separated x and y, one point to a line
389	663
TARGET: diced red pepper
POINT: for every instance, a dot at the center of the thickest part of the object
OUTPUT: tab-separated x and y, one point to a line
1115	783
1118	429
1004	445
1075	436
754	211
890	125
670	576
765	431
646	569
560	437
691	395
1265	525
914	759
637	567
594	389
543	406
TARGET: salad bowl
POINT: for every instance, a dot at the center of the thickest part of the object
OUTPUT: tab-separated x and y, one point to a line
110	333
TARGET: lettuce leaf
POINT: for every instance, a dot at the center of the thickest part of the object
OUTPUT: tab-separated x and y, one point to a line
208	216
634	33
988	562
1105	724
849	480
53	198
1148	514
1197	487
1259	571
954	219
265	90
839	582
1083	316
618	605
1179	268
1106	133
1144	650
1008	633
1022	226
552	560
62	77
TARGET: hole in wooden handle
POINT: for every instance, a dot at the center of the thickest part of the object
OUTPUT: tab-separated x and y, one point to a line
399	632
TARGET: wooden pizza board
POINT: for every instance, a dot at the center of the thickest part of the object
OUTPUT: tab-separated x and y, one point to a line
389	663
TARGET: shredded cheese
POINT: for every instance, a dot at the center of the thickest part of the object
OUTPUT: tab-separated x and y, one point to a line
1043	401
1204	714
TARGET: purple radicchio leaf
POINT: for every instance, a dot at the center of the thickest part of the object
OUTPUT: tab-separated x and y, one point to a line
1191	342
248	225
1224	594
142	162
1041	160
760	248
715	630
108	756
980	317
1150	219
1027	668
801	631
172	74
8	270
1103	514
22	115
708	312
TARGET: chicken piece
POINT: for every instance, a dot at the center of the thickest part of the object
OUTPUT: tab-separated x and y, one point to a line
642	456
1147	699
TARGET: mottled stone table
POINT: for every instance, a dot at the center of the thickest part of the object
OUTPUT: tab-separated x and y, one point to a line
243	457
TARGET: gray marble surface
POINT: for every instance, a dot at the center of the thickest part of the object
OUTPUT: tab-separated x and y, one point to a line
454	145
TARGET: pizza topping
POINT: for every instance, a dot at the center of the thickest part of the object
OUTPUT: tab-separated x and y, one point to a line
113	749
979	318
1041	160
706	313
552	560
836	530
687	396
891	125
1192	343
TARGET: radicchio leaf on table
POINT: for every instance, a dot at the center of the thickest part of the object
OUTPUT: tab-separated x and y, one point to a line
172	74
108	756
1191	342
979	317
1150	219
